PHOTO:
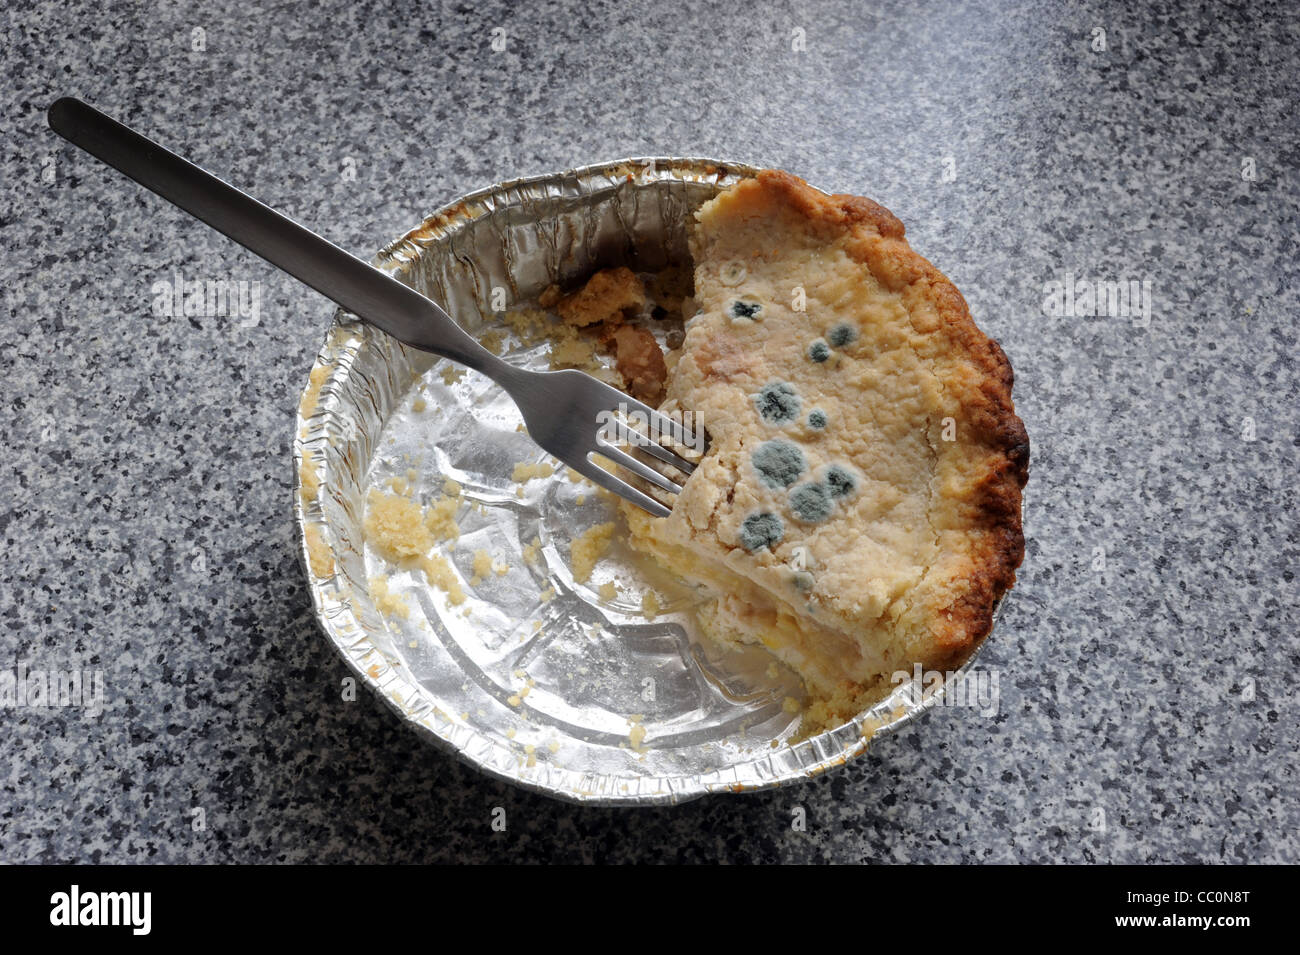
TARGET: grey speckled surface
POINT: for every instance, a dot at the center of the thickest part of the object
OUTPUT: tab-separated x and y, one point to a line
1148	709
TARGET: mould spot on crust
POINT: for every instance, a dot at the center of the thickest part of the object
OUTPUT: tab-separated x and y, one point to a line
817	419
761	530
819	351
732	273
741	310
811	503
779	463
778	403
840	481
842	334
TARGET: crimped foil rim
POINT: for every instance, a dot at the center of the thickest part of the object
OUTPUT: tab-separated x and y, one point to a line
335	609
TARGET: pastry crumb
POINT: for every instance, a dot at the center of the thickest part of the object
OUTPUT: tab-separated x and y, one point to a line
387	602
402	531
311	398
636	735
525	471
318	553
481	566
440	573
308	479
588	548
527	324
570	351
650	604
440	518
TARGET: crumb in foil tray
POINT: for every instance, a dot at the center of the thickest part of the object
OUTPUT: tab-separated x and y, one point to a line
405	533
588	548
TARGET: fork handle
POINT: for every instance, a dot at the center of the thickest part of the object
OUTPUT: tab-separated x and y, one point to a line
361	289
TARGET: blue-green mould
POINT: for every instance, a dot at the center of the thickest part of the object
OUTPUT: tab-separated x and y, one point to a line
842	334
817	419
778	403
840	481
779	463
751	311
819	351
811	503
761	530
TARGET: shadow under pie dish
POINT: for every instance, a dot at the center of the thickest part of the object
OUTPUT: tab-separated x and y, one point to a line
521	626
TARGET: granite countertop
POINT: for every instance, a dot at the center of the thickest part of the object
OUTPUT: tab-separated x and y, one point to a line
1145	712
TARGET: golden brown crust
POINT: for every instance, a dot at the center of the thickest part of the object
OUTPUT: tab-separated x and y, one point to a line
876	239
603	298
835	213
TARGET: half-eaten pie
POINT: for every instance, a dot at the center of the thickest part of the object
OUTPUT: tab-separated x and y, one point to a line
858	511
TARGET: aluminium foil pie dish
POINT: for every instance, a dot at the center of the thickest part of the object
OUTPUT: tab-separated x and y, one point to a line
587	681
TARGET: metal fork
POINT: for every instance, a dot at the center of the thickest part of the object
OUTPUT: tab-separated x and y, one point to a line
561	409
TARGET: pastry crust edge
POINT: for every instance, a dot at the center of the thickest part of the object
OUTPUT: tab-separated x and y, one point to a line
876	240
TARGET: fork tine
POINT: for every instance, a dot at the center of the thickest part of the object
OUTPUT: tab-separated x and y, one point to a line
674	429
598	475
665	455
661	423
640	469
